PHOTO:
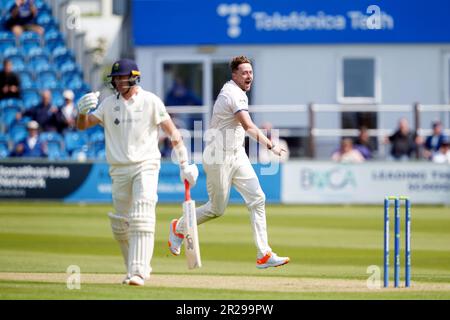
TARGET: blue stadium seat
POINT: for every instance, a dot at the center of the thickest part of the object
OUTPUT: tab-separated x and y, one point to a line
18	62
31	98
7	40
38	52
75	140
61	55
57	97
8	115
68	66
45	20
26	80
4	149
101	154
11	102
51	137
98	136
17	133
42	7
51	45
39	65
53	39
12	52
29	40
55	151
47	80
74	83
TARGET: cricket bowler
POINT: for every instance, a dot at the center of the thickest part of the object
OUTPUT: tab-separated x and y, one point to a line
131	118
226	164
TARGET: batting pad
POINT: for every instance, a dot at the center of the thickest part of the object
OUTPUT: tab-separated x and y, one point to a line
142	228
120	226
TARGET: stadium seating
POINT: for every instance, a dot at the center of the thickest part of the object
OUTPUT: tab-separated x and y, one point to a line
42	62
31	98
75	140
17	133
29	40
7	40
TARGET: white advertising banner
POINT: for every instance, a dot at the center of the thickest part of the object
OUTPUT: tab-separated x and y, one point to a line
311	182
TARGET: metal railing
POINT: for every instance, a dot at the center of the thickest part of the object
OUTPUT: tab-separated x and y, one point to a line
320	137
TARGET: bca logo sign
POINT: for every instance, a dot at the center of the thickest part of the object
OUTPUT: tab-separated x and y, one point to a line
233	12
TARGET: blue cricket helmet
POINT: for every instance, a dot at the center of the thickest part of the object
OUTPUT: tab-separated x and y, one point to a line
124	67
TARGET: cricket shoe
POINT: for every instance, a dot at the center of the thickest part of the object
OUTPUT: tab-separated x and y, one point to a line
136	281
271	260
126	280
175	239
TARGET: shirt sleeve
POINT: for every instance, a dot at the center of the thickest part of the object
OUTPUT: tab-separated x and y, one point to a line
99	113
160	112
237	103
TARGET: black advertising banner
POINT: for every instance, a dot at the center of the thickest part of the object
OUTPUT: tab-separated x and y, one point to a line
21	180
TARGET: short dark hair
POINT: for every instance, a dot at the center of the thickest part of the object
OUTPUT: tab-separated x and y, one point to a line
237	61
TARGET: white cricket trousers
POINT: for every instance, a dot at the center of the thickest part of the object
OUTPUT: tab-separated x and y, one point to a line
233	169
134	191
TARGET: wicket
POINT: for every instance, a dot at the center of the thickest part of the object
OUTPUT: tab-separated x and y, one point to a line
397	201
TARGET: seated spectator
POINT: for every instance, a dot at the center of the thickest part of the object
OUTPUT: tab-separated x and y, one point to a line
363	144
22	18
45	113
346	153
404	142
433	142
68	112
9	81
265	155
443	154
30	146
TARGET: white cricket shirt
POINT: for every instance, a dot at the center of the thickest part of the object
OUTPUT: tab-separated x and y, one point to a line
230	134
131	127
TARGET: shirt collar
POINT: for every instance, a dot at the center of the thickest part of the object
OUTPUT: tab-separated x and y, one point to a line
134	97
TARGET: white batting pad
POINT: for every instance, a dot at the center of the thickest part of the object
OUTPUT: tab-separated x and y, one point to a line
142	228
120	226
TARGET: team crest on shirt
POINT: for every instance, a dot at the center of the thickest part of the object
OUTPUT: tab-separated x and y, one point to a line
116	122
117	108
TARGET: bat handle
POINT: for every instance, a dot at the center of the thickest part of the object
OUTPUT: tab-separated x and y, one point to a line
187	191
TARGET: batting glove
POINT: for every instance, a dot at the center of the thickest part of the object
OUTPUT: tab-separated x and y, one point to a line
277	150
189	172
88	102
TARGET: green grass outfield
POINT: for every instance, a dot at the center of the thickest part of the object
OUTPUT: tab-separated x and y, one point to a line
331	248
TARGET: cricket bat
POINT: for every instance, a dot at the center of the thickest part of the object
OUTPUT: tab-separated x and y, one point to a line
191	243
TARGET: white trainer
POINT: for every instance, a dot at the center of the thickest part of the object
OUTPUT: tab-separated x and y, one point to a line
126	280
271	260
136	281
175	239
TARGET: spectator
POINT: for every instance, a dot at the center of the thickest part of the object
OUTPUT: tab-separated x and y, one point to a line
67	115
30	146
22	18
9	81
45	113
363	143
433	142
404	142
443	154
346	153
265	155
181	95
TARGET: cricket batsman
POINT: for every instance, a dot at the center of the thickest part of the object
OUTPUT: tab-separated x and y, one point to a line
131	118
226	164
